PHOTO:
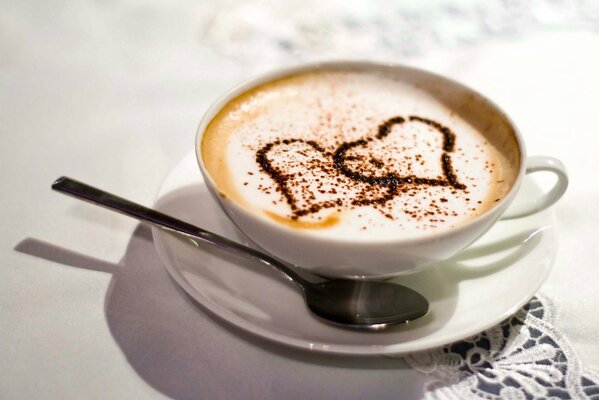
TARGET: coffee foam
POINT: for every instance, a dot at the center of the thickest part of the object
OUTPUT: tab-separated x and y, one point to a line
277	151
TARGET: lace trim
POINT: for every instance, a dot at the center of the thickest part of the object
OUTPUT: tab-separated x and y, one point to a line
524	357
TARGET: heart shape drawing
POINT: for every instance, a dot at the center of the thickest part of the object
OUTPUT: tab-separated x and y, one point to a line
369	171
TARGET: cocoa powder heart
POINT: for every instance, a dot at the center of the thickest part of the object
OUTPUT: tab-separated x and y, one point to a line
314	178
379	172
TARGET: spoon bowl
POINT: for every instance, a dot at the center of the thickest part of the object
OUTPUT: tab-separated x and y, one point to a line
364	304
359	304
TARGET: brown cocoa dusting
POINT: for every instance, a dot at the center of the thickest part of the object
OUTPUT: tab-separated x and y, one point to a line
379	188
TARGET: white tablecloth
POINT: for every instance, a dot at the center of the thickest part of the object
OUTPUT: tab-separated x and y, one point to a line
111	94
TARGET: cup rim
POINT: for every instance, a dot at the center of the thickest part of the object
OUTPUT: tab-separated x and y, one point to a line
364	65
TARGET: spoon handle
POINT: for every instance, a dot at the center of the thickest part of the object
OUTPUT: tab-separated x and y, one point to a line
99	197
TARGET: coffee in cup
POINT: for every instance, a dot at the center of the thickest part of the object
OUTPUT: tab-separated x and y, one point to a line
359	155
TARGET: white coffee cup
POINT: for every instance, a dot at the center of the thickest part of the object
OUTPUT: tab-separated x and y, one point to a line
377	259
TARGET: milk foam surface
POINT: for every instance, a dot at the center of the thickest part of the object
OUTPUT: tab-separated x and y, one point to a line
276	151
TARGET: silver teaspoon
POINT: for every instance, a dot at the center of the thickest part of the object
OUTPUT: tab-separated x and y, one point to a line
345	302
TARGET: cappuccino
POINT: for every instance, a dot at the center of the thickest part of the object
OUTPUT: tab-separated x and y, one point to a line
357	154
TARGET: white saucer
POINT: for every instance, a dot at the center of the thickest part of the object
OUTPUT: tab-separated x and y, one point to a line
484	285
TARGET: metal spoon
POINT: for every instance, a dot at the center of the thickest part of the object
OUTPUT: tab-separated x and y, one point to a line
346	302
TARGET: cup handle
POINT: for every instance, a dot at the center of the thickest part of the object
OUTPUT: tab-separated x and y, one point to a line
533	205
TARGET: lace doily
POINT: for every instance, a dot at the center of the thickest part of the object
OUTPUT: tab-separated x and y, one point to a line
524	357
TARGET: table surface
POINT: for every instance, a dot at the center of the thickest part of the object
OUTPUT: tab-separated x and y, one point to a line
111	94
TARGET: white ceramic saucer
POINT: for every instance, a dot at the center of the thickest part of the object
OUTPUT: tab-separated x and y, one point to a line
482	286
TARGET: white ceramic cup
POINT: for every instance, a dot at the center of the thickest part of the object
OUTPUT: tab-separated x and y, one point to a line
379	259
